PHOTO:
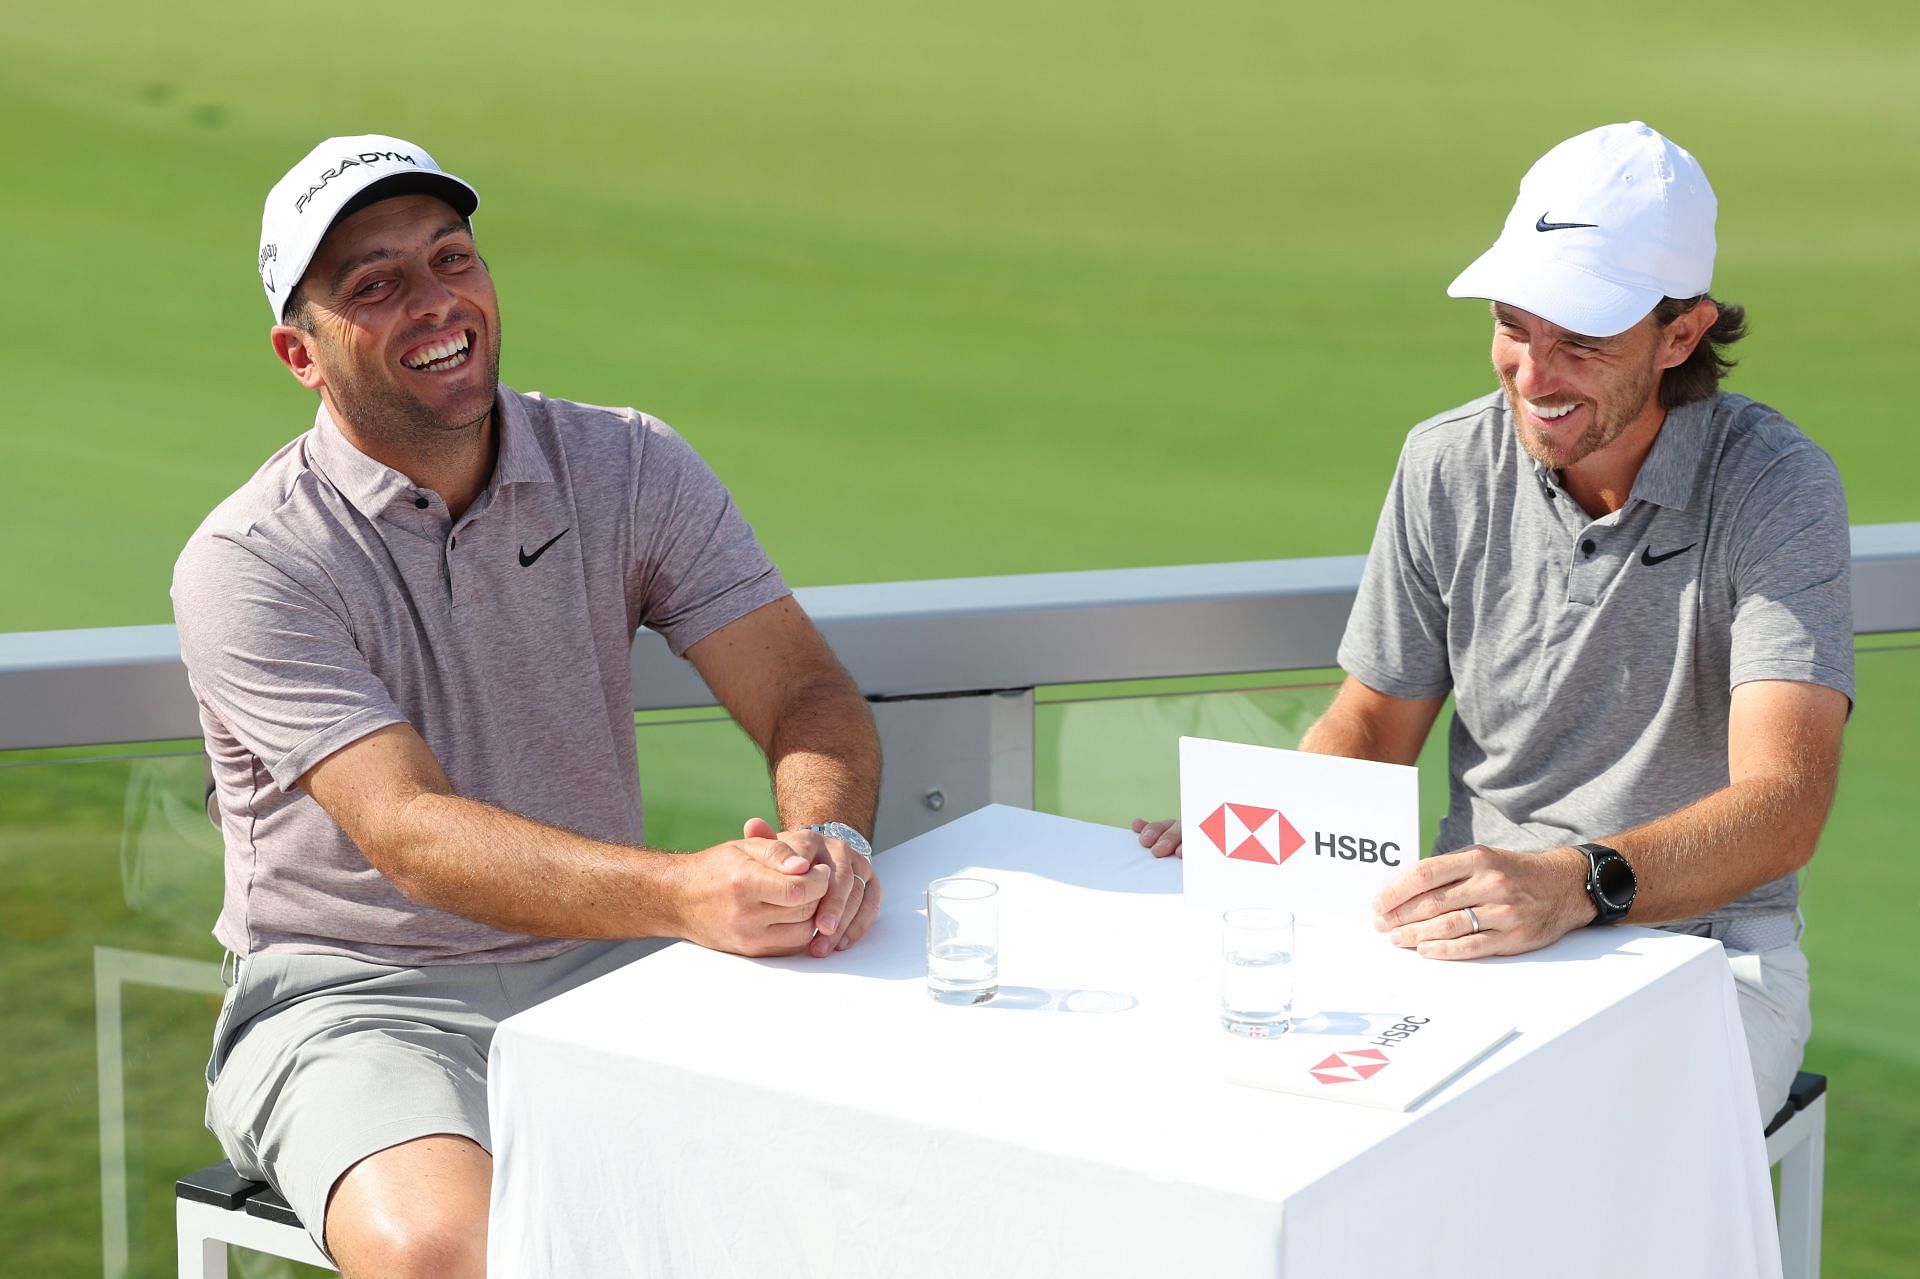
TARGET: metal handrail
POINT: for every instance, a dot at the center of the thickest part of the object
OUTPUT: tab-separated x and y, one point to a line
899	639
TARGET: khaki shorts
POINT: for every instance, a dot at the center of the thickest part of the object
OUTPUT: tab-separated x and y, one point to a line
320	1061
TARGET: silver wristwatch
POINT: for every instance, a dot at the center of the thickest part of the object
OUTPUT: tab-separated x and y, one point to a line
847	834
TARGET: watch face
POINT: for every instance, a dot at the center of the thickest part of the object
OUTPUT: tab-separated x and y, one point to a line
1615	880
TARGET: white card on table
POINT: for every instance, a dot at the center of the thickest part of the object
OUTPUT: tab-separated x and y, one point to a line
1314	834
1391	1060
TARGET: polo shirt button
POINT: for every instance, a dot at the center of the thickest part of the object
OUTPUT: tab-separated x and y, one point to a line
420	502
1586	547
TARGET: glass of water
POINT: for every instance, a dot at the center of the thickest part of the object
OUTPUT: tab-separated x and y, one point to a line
1256	977
963	940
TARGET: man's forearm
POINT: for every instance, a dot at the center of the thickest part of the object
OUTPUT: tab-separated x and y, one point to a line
1363	723
1338	732
1783	756
825	756
524	876
1724	845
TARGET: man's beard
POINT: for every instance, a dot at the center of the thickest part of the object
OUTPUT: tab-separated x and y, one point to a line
1612	413
388	415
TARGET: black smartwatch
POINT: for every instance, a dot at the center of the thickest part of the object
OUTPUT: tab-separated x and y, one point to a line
1610	883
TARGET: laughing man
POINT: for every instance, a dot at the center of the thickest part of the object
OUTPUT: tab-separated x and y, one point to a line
408	634
1634	584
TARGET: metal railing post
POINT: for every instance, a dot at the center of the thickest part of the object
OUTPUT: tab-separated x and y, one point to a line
947	756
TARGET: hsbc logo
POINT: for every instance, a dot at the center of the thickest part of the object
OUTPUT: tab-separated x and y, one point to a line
1356	1064
1350	1067
1247	833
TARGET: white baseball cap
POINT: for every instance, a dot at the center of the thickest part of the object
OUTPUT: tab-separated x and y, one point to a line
1607	224
336	178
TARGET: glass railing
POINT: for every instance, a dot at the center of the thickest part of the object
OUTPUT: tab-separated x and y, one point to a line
1110	752
1861	896
701	777
112	981
113	878
112	977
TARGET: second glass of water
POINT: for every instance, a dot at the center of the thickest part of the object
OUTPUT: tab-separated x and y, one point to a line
1256	977
963	940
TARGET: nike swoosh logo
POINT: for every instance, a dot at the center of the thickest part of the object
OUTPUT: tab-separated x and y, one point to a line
527	560
1648	558
1544	225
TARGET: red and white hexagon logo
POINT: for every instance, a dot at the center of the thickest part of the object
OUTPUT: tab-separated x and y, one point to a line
1351	1067
1252	834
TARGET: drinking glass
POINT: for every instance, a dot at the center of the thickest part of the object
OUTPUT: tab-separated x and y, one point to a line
1256	975
963	940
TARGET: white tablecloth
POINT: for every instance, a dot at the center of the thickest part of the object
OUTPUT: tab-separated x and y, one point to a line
699	1114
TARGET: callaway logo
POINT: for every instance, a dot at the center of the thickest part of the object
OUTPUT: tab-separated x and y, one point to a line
1350	1067
1648	558
1252	834
526	560
1544	225
267	255
348	162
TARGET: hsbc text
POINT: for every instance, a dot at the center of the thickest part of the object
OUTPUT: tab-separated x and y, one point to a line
1352	848
1398	1033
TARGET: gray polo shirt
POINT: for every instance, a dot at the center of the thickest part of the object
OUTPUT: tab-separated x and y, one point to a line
329	597
1593	660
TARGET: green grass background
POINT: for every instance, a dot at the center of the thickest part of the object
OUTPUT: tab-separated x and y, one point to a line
940	290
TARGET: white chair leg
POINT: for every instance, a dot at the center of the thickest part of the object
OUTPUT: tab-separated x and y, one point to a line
1802	1176
201	1255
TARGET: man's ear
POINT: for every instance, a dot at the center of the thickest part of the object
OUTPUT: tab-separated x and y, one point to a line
294	346
1685	333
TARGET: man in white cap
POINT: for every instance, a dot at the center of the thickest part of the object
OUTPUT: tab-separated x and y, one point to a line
1636	587
408	634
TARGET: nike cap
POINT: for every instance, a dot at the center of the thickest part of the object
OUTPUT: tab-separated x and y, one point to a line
1607	224
336	178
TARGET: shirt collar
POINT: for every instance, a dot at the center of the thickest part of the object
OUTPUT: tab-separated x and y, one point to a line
373	486
521	460
1671	473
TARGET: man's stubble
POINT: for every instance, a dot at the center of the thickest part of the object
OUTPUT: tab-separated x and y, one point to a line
384	415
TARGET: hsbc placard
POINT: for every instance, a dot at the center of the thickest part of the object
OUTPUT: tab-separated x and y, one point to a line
1314	834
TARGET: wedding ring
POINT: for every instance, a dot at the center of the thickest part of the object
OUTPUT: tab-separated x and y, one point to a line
1472	919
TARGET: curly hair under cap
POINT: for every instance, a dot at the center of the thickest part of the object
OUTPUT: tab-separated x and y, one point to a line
1699	376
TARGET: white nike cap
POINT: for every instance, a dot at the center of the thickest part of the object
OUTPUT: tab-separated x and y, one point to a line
336	178
1607	224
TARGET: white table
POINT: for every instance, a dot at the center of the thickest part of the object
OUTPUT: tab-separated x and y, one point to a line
700	1114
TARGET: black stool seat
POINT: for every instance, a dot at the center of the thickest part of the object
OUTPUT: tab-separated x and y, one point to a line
1806	1087
219	1185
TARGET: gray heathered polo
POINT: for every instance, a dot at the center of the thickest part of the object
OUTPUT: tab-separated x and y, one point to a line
329	597
1593	661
